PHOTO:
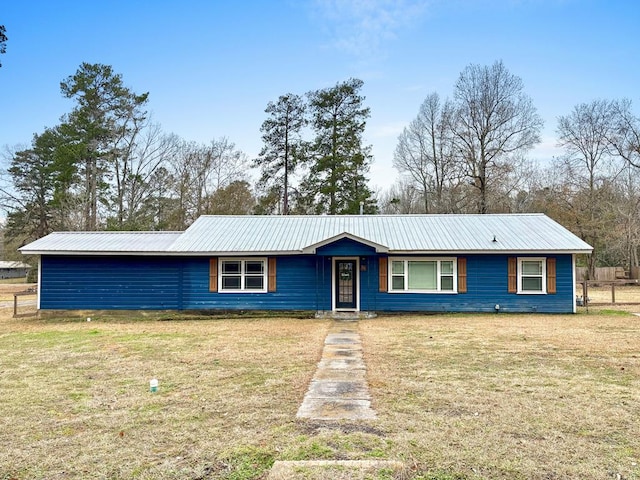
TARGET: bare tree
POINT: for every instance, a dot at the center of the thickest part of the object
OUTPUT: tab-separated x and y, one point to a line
494	121
199	171
625	137
584	136
590	164
425	153
402	198
135	174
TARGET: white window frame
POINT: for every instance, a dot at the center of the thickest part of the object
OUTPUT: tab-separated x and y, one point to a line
543	262
243	274
439	274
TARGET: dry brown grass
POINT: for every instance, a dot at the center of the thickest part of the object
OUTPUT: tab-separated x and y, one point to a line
458	397
75	397
513	397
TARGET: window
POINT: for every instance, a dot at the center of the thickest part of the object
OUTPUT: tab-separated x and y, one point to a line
423	275
243	275
532	275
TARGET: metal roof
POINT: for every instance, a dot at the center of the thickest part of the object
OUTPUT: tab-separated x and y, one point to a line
238	235
102	242
10	265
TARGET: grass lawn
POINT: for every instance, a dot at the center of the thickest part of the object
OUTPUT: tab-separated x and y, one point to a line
458	397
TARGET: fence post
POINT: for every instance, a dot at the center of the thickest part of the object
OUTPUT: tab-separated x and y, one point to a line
613	293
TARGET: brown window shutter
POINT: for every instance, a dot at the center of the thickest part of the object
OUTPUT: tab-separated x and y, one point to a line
512	269
213	274
462	275
551	275
272	275
383	280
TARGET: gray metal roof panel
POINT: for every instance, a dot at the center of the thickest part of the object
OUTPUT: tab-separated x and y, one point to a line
293	234
107	242
424	233
11	264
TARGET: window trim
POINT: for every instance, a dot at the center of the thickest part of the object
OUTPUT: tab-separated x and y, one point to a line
439	275
543	276
243	274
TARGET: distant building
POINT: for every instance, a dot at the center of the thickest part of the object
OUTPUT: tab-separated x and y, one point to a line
14	270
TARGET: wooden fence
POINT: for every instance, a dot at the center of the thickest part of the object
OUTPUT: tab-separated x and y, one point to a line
584	285
608	274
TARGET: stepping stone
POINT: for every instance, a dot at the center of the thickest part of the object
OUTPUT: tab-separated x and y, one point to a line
341	375
339	389
336	409
342	338
341	363
343	350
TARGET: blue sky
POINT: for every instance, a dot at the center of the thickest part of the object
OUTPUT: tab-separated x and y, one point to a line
211	67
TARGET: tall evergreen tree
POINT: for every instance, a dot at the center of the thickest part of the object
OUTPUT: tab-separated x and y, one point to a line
35	178
105	116
336	182
281	134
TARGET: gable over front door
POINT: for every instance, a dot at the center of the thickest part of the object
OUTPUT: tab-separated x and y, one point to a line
346	280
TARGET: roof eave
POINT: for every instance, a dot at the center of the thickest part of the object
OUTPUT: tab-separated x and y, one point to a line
493	251
311	249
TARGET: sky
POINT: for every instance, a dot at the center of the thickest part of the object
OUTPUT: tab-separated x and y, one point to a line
212	66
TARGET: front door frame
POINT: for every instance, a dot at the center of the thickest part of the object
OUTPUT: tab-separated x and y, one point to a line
334	282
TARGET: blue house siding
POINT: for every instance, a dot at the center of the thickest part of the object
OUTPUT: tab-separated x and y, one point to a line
73	282
487	286
303	282
296	287
175	283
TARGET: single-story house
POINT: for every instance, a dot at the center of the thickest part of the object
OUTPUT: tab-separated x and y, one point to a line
347	263
10	269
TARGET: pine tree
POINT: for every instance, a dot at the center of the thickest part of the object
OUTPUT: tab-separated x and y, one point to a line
338	162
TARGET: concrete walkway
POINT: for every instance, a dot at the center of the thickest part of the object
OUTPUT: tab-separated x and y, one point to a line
338	390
